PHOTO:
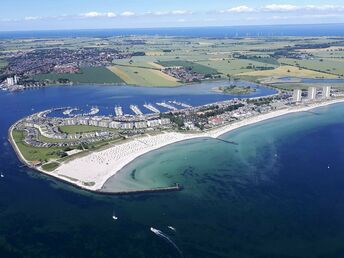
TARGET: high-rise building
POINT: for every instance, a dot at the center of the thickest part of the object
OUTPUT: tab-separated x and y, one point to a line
16	79
326	92
10	81
312	93
297	95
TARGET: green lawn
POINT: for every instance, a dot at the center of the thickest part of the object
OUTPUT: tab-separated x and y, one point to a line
198	68
99	75
33	153
50	166
73	129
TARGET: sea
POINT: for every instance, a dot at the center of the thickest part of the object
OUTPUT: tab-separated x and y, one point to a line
333	29
277	192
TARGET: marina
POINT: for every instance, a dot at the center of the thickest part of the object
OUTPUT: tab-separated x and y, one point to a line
184	105
69	111
151	108
118	111
94	111
165	105
136	109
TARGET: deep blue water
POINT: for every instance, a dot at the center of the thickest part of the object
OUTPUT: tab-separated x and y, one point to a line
278	193
228	31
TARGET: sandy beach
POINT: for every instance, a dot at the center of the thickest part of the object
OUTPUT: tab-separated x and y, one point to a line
93	170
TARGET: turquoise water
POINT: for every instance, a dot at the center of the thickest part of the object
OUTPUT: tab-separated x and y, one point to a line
278	193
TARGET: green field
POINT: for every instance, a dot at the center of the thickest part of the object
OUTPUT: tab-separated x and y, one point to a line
50	166
33	153
198	68
141	76
73	129
322	65
100	75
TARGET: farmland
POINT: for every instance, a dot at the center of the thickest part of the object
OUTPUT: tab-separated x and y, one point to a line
99	75
153	61
143	74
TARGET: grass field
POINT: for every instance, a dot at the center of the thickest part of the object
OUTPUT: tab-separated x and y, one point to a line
50	166
73	129
33	153
143	74
198	68
288	71
234	66
100	75
326	65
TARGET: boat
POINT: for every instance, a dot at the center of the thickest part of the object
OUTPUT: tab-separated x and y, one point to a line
155	231
114	217
2	175
172	228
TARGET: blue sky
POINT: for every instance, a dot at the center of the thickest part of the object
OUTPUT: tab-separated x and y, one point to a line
92	14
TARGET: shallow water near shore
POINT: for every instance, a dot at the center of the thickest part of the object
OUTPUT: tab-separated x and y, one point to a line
278	193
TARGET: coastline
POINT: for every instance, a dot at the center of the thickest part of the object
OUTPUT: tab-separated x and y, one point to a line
91	171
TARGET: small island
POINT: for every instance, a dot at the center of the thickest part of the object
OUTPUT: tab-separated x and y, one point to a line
234	89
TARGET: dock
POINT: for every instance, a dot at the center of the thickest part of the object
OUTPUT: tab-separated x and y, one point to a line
136	110
68	112
174	188
151	108
184	105
165	105
118	111
94	111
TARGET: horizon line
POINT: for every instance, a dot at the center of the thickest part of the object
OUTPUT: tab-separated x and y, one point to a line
172	27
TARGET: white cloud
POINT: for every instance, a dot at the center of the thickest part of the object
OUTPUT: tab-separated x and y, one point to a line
281	7
98	14
302	8
32	18
180	12
127	14
239	9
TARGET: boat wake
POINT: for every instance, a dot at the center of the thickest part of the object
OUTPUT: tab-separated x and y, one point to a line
167	238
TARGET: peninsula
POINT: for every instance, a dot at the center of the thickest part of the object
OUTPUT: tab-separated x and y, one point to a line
87	150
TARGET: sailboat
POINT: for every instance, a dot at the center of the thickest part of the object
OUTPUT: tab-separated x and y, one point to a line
114	217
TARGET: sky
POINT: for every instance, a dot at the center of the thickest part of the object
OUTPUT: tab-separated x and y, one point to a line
97	14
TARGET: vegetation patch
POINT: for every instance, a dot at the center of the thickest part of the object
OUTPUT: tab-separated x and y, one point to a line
289	71
100	75
33	153
143	76
50	166
233	89
198	68
73	129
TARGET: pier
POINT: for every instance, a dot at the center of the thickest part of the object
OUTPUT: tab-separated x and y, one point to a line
136	110
151	108
165	105
184	105
230	142
174	188
68	112
94	111
118	111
